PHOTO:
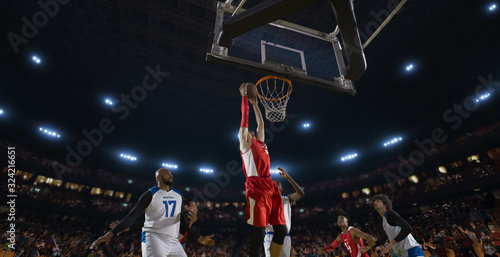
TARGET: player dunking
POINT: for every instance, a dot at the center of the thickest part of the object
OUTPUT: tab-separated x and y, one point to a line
264	203
162	207
287	208
351	237
396	229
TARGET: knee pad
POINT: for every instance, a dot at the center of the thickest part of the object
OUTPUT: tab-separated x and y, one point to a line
279	234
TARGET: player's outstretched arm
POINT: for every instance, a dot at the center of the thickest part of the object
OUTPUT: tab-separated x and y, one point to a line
138	210
333	245
243	135
102	239
299	193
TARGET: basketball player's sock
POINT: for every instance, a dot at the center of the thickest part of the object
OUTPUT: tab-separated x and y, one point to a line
256	241
245	109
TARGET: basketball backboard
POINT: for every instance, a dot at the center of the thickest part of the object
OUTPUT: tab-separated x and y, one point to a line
257	39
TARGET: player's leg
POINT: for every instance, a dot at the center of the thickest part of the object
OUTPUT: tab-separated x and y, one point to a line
277	219
176	249
256	241
287	247
267	244
154	245
257	210
278	239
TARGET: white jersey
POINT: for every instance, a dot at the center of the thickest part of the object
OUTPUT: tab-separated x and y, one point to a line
163	214
287	211
392	231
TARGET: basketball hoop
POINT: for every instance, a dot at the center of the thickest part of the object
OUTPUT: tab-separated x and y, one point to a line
274	93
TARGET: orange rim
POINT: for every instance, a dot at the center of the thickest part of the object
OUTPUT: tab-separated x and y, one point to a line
273	77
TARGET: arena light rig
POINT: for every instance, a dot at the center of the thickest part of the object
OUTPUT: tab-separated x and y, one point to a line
393	141
170	166
207	170
49	132
128	157
349	157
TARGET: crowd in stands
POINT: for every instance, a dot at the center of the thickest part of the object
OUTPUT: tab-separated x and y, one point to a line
458	227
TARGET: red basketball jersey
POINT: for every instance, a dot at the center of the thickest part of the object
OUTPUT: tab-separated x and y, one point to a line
256	162
352	247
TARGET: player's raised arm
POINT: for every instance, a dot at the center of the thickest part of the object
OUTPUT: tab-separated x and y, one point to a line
259	133
299	193
244	137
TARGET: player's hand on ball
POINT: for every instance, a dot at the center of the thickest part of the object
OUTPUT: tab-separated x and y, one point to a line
253	101
283	173
243	89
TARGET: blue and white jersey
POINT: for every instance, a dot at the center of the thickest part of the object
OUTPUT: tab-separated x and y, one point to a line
163	214
403	245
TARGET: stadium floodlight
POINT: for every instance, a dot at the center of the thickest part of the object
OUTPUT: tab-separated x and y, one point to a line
493	7
36	59
206	170
483	97
128	157
1	112
409	67
49	132
349	157
168	165
393	141
108	101
306	125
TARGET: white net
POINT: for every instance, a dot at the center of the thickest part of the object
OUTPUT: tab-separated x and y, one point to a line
274	93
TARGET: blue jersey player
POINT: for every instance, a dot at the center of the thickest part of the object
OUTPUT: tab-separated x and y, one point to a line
396	229
162	206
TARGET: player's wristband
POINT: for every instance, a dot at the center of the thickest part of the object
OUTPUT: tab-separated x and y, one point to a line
245	109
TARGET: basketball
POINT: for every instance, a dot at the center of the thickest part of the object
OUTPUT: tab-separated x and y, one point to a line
251	94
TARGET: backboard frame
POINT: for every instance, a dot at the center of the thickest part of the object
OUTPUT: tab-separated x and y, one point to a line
218	50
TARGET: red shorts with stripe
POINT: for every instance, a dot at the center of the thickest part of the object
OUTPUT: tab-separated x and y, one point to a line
264	203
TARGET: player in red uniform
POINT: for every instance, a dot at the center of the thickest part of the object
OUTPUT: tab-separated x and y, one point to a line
351	237
264	203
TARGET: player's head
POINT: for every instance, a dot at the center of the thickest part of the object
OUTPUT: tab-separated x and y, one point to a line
164	176
189	205
280	186
342	219
381	200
